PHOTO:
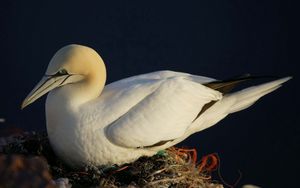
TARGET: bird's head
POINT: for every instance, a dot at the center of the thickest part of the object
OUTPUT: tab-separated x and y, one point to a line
71	64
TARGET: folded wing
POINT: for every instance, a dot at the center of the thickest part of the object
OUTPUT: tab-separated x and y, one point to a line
161	115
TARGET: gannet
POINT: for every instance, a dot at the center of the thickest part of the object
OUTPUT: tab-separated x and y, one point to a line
89	123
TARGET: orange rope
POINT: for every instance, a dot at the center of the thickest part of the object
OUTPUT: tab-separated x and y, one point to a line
209	163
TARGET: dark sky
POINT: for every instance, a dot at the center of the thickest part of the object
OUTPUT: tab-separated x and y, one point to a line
219	39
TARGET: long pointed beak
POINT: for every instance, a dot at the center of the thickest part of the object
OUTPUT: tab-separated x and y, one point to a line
44	86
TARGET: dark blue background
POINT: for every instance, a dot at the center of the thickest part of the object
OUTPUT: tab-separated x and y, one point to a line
213	38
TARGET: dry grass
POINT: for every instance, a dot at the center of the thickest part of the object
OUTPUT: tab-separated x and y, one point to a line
172	168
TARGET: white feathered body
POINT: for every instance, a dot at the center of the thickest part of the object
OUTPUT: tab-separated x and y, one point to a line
132	115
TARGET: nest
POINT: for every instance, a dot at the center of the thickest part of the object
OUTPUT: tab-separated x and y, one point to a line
175	167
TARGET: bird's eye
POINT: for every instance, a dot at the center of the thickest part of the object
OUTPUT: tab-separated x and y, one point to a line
62	72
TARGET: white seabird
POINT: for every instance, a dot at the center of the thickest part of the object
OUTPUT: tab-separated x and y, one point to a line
89	123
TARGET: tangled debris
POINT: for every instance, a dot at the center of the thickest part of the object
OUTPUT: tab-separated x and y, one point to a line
171	168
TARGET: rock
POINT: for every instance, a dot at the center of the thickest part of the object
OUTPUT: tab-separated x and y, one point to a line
20	171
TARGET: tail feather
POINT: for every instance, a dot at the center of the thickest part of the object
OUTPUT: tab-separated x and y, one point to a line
233	102
246	97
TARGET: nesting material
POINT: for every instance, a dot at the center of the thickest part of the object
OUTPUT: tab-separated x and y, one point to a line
175	167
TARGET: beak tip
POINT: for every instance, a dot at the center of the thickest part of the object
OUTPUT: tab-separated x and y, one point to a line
23	105
44	86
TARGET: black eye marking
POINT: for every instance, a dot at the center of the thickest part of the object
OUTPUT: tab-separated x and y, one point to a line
62	72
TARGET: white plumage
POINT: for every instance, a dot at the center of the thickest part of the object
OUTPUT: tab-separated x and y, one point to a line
88	123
